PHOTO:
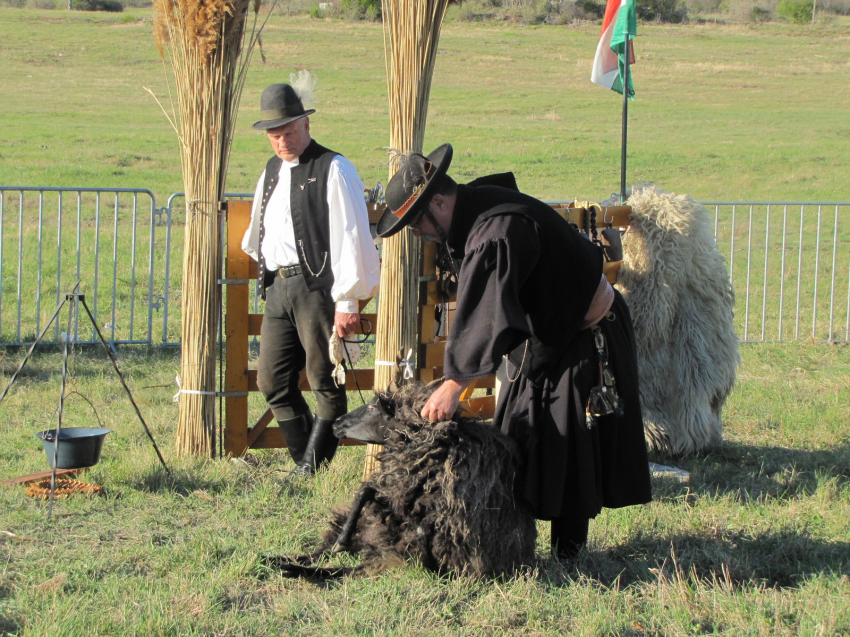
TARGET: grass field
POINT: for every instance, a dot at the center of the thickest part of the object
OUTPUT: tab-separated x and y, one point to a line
722	113
757	543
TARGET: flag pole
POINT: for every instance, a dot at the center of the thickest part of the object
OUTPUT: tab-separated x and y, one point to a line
628	56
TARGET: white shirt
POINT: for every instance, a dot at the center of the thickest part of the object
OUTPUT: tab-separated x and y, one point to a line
354	258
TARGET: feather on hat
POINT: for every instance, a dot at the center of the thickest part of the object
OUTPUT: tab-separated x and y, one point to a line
411	187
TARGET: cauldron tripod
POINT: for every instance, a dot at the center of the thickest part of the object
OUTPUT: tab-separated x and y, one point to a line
75	297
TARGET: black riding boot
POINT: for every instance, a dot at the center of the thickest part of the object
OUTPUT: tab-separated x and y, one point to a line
320	448
568	536
296	431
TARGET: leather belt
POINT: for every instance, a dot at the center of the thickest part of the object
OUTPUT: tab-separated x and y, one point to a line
288	271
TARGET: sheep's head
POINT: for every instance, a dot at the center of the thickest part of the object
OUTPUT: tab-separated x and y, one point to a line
369	423
373	422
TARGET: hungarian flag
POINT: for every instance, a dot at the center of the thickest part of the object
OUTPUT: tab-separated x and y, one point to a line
610	61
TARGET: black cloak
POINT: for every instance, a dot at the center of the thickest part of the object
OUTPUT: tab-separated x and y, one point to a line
525	282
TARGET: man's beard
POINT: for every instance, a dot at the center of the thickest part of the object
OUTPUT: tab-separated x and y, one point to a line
429	237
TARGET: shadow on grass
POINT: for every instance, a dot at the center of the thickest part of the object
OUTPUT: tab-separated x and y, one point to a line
773	559
8	624
784	559
188	481
781	559
299	567
85	360
755	473
181	481
9	627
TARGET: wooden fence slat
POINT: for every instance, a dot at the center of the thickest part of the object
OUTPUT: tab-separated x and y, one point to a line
272	438
617	216
260	434
255	323
466	394
430	294
43	475
236	329
432	354
364	377
259	427
427	325
482	406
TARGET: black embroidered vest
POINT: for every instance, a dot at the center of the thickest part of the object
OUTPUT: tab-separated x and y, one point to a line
308	203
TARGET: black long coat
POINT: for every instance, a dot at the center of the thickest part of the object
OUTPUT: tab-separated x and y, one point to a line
524	271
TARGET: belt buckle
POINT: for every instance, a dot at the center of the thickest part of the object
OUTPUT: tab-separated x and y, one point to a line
287	271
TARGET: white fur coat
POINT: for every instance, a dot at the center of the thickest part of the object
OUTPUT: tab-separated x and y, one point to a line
677	288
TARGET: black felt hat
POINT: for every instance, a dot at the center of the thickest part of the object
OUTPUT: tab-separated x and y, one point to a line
411	188
280	105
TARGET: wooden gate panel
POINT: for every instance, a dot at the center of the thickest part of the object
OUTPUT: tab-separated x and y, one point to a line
240	324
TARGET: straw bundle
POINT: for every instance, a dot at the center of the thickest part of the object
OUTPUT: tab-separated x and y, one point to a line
205	40
411	37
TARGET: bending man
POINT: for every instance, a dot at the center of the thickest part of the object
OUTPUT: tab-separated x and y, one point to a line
530	287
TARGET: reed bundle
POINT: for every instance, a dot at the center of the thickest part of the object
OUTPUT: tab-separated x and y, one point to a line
209	50
411	38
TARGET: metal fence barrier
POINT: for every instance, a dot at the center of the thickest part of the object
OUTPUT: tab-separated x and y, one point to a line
789	263
106	238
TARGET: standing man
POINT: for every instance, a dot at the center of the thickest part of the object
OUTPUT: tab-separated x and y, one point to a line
310	235
531	288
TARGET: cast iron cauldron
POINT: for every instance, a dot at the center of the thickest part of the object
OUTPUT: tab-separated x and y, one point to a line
78	446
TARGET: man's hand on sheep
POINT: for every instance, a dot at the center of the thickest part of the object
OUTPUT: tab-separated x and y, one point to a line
443	403
345	323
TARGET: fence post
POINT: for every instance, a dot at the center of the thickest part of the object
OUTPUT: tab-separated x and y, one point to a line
238	276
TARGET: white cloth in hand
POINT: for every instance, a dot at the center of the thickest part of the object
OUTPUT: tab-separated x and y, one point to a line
340	352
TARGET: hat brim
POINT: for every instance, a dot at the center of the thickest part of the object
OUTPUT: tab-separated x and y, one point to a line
267	124
389	223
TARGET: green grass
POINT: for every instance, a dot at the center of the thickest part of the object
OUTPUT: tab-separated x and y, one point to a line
729	113
758	543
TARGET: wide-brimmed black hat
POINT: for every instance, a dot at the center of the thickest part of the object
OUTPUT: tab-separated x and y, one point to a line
411	187
280	105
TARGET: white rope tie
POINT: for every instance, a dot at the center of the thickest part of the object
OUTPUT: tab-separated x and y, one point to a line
406	364
180	390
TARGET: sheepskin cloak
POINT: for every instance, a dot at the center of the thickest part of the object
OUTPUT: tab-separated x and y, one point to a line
525	271
677	288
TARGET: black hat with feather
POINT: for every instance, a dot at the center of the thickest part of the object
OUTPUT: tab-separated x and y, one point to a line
411	187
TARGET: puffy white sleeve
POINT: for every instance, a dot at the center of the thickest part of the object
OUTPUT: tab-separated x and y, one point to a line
354	258
251	240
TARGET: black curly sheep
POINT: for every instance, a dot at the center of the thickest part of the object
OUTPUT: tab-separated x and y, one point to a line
444	494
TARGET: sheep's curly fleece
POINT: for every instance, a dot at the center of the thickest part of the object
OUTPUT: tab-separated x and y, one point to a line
445	498
681	301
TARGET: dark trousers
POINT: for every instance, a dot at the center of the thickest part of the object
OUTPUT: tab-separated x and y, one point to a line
297	326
